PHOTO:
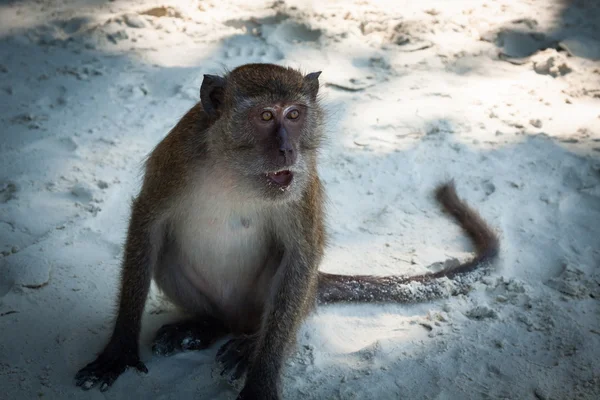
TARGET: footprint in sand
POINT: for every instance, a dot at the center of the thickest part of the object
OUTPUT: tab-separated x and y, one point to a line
488	188
8	190
292	32
247	48
581	210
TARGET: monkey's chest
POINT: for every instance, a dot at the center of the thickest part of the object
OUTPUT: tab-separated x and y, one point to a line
223	243
225	257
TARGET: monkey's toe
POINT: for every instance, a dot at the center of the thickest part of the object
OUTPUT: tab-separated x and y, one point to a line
170	339
86	380
105	379
105	371
185	336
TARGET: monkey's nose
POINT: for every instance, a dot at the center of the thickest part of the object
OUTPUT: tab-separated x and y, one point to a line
288	155
286	151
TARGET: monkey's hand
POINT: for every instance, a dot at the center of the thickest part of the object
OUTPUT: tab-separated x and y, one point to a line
111	363
233	357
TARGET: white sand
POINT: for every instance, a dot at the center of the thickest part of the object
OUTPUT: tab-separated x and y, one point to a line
433	90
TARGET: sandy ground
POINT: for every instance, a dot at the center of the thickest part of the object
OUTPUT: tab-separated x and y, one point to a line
503	96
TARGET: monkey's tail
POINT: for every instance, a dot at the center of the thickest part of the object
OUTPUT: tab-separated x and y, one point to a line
452	280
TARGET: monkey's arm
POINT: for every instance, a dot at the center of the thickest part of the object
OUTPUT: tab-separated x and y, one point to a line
141	249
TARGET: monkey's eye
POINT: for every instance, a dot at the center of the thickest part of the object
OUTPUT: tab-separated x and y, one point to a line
266	116
293	114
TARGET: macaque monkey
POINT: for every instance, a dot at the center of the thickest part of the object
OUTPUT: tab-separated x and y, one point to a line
229	223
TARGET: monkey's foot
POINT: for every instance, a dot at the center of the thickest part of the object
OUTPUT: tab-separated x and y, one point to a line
186	336
107	368
233	358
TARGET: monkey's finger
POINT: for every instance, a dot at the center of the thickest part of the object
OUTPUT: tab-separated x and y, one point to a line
238	372
233	348
228	366
87	382
110	375
108	381
163	348
224	348
81	375
231	359
193	343
140	366
87	370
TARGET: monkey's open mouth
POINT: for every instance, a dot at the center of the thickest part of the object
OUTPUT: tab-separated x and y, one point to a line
281	178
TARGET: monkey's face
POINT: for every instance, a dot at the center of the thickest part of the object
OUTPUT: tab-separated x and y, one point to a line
269	127
274	147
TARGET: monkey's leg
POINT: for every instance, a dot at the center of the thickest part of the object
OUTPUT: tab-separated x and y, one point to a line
293	286
143	243
193	334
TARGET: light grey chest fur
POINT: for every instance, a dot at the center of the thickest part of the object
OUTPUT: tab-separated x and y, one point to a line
223	246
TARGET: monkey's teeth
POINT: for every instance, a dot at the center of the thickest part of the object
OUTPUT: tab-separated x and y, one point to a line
281	178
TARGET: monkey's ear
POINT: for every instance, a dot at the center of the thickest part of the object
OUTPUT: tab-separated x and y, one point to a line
311	84
211	93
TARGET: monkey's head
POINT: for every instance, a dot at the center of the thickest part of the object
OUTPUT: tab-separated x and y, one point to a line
267	125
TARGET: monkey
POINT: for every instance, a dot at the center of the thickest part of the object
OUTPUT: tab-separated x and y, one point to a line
230	224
